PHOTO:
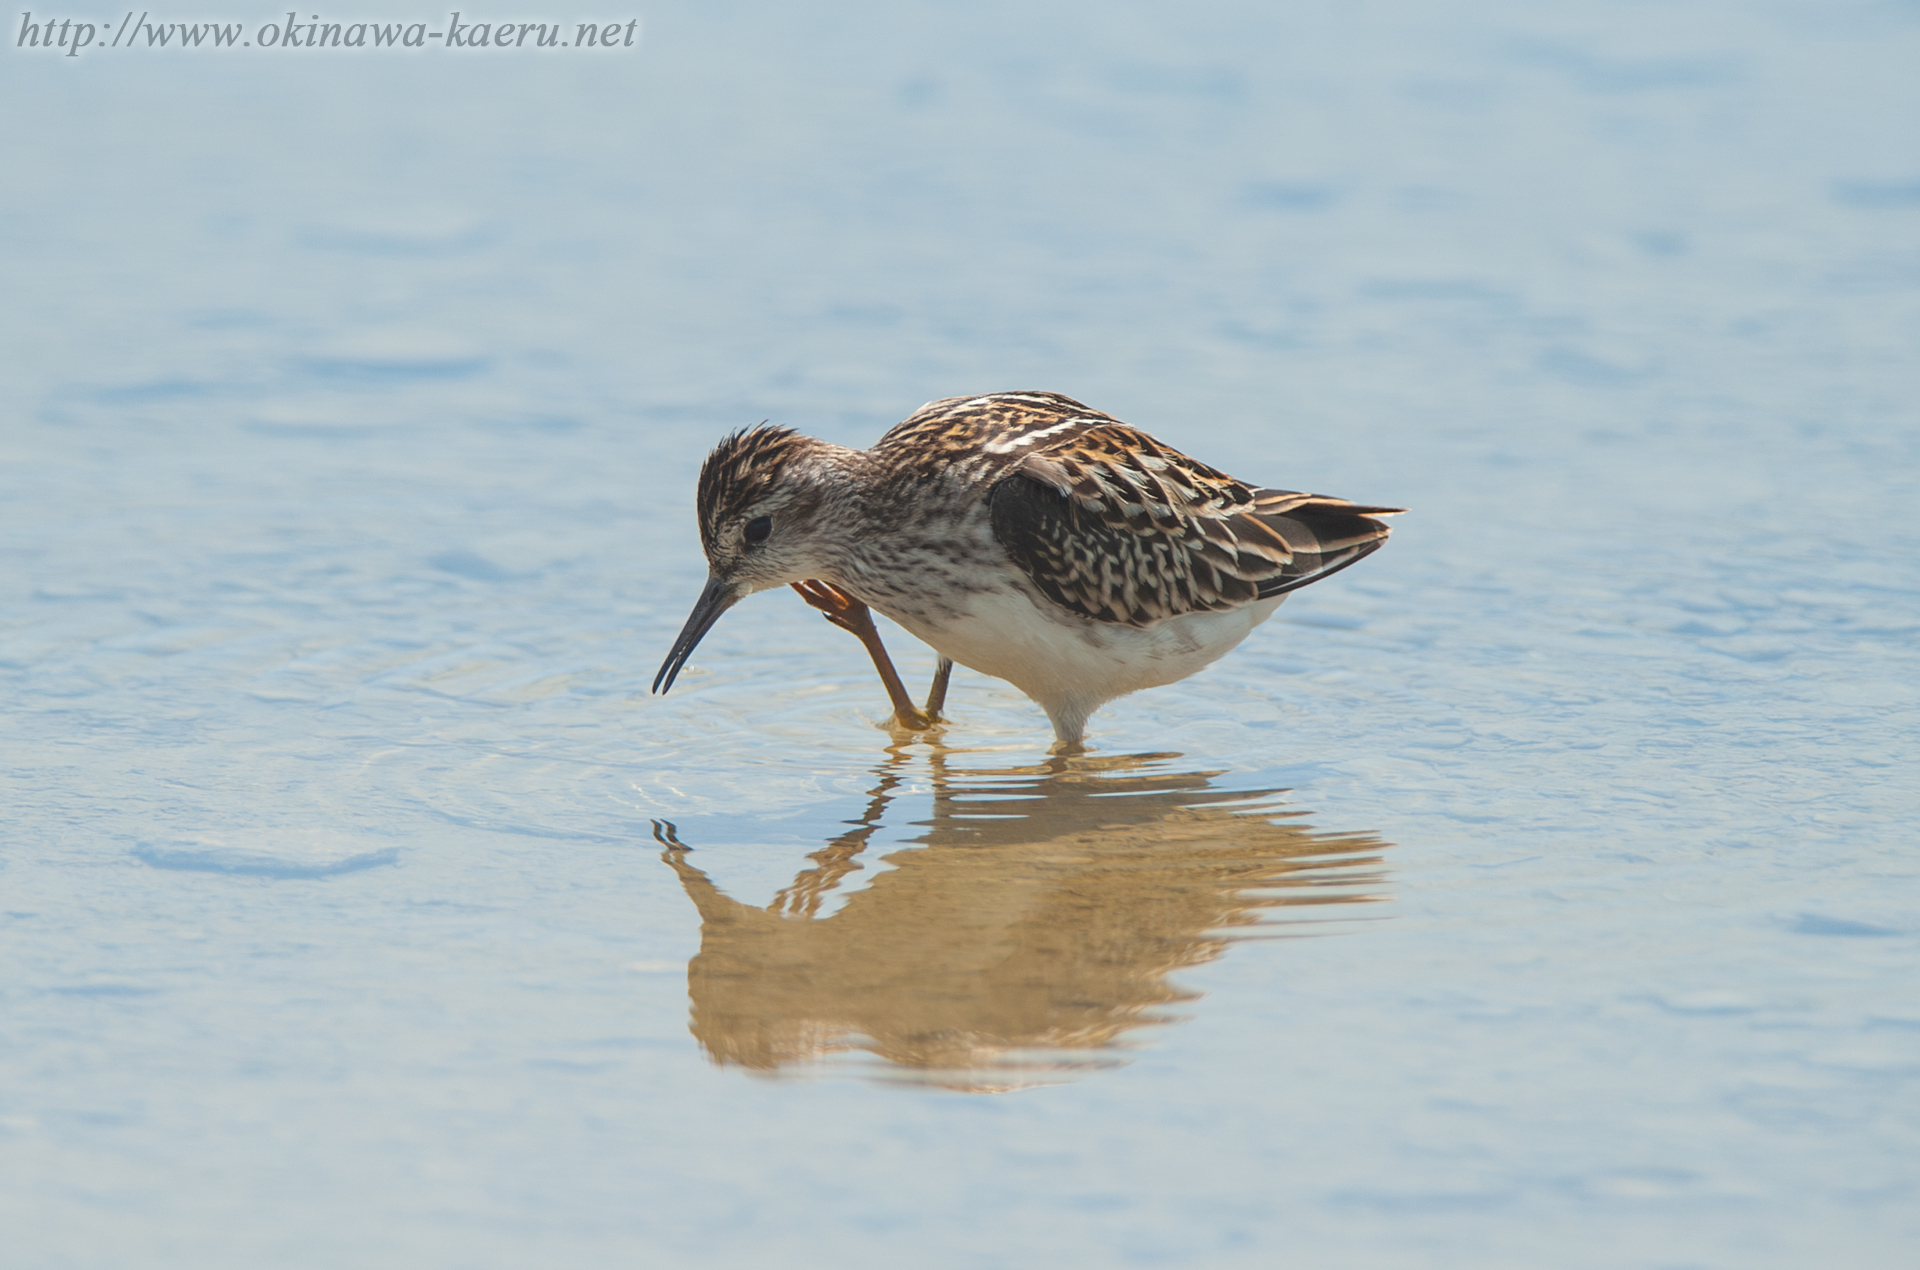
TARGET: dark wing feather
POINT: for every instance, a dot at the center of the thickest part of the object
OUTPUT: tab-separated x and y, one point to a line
1119	528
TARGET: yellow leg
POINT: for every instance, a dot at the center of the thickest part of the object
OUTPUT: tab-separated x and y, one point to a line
937	694
850	614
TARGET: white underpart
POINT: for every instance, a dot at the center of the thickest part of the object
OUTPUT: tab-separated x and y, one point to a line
1071	666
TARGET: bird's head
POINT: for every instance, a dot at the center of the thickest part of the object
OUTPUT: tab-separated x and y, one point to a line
769	501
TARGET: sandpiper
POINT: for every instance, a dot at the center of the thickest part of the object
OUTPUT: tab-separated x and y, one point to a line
1021	534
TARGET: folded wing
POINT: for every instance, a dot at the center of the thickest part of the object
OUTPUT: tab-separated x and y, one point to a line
1120	528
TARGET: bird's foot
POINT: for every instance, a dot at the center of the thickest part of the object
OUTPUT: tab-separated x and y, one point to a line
840	608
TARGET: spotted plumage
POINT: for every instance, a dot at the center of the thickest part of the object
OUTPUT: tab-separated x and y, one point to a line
1025	535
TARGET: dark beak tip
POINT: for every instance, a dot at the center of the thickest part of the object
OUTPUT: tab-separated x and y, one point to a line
716	598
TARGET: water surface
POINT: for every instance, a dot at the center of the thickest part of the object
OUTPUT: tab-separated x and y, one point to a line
1540	892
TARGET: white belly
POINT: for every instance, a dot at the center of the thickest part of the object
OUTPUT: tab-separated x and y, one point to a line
1071	666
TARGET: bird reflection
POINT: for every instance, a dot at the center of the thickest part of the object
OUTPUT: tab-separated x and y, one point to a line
1027	932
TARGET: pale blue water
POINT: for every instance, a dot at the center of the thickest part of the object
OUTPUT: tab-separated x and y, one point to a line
348	435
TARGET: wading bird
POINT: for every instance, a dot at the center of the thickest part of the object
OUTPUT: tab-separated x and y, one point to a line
1021	534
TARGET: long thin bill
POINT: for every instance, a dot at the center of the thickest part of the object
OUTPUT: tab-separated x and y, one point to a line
715	600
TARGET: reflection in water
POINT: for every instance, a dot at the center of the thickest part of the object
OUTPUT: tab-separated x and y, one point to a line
1034	928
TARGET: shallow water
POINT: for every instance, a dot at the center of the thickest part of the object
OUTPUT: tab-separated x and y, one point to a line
1540	892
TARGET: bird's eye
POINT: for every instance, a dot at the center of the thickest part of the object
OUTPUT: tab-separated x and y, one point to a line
758	528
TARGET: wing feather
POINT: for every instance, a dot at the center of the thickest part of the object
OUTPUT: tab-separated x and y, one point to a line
1117	527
